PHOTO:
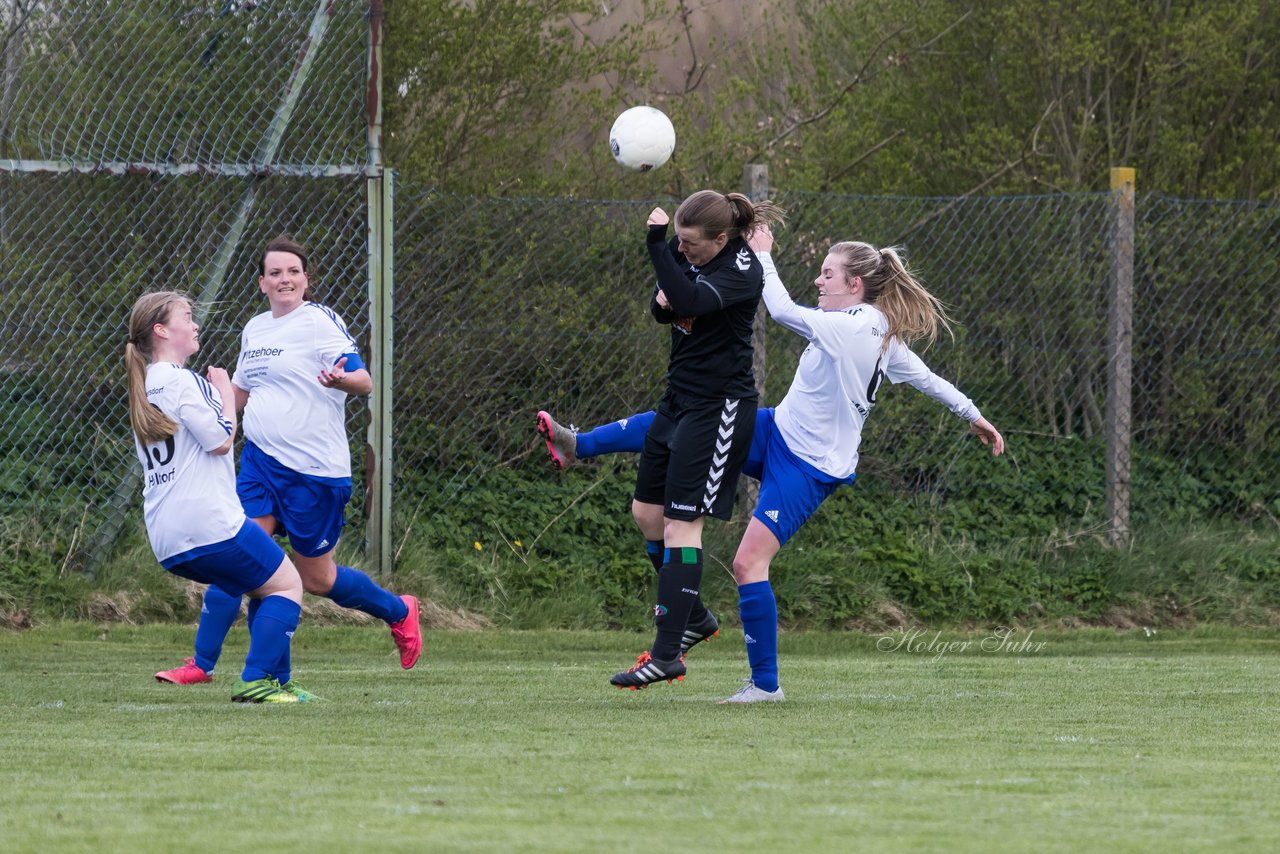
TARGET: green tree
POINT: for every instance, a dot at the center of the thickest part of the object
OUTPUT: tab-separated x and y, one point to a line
481	97
895	96
1034	94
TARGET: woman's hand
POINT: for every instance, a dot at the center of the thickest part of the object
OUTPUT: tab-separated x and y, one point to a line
988	435
761	238
333	378
218	379
658	216
356	382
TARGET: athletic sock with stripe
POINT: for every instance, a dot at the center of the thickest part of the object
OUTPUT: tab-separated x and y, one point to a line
678	585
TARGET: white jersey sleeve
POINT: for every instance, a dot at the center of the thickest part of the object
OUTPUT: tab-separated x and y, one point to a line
290	416
905	366
188	494
835	384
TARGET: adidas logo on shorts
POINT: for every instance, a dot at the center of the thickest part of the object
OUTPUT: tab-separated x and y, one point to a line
772	514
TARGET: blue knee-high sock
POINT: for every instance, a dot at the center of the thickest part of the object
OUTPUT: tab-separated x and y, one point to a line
353	589
759	611
269	638
217	616
283	667
624	436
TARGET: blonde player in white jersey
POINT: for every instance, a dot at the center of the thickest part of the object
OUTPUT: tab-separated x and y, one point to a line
297	365
869	308
184	427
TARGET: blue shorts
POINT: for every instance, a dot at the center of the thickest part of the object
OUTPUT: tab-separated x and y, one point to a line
311	509
243	563
791	490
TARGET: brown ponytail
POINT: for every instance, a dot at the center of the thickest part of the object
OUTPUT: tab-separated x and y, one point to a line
714	213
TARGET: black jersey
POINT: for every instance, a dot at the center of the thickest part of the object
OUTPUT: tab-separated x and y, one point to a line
713	308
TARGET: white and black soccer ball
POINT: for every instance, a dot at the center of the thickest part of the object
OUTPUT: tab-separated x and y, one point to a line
642	138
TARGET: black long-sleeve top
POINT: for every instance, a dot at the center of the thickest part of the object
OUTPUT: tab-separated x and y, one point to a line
712	311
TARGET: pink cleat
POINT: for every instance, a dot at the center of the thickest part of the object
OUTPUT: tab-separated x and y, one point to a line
562	442
408	634
187	674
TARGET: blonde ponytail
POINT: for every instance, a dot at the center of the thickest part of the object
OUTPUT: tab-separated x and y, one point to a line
150	425
913	313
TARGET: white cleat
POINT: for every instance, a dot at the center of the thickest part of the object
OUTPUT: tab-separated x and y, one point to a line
749	693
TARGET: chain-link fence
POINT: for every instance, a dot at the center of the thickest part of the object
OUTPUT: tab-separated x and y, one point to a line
169	165
509	306
148	145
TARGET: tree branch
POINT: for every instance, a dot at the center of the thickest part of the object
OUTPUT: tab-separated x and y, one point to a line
849	167
1029	151
862	76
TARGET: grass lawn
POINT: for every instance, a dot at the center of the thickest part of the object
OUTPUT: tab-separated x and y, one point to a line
514	741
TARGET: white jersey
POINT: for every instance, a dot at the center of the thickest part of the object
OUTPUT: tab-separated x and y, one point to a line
188	494
835	384
290	416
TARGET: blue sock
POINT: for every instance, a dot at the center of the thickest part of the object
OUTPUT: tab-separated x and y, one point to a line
353	589
273	628
623	436
284	664
217	616
654	549
251	611
281	667
759	612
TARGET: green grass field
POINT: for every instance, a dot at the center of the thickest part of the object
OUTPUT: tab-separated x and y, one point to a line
514	741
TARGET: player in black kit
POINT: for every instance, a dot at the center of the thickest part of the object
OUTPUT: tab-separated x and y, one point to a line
708	287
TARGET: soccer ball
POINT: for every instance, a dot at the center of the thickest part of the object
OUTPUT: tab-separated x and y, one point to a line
642	138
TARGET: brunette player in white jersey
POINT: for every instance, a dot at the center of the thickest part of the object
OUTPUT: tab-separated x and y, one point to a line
868	304
297	365
708	287
184	427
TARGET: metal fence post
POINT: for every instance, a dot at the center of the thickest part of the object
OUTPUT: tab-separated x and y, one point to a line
379	471
755	186
1120	356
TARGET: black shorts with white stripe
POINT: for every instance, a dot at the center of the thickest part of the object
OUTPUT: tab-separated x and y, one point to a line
694	453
